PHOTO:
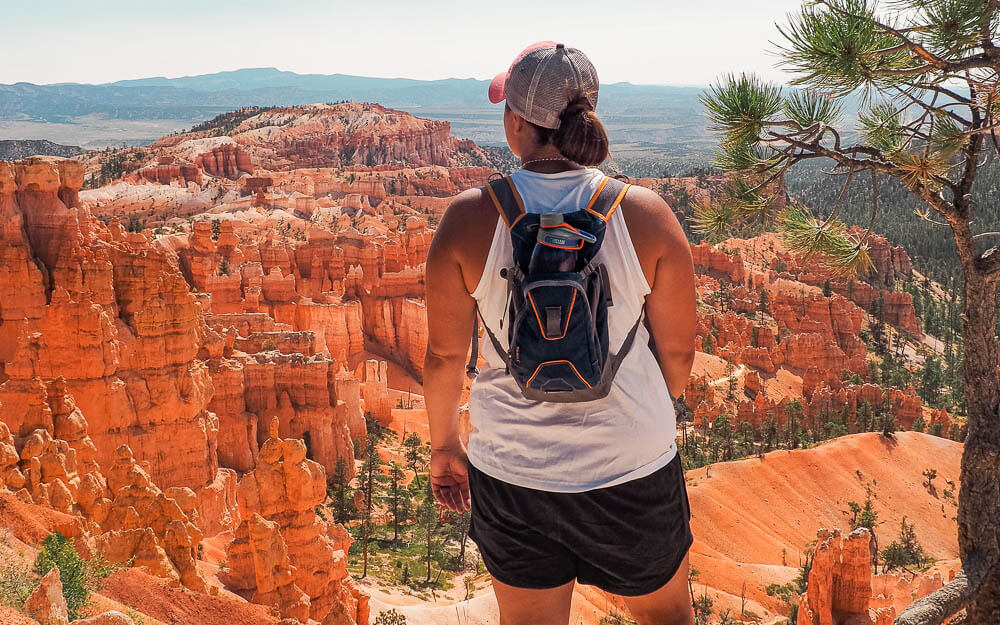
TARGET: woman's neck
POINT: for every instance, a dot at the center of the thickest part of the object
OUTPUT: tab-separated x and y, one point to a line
547	160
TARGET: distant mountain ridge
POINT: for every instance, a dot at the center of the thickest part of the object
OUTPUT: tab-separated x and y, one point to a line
260	86
653	128
654	115
269	77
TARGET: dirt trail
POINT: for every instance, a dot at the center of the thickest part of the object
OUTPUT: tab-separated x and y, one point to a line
588	607
735	375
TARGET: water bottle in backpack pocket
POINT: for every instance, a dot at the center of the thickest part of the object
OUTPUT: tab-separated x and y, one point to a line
557	245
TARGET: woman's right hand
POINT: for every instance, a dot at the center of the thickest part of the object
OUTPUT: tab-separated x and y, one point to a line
449	473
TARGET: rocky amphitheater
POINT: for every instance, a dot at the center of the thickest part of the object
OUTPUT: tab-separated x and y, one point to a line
191	346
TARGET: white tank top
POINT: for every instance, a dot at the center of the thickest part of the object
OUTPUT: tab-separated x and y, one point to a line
571	447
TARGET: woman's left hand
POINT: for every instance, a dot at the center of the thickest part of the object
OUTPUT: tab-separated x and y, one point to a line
449	473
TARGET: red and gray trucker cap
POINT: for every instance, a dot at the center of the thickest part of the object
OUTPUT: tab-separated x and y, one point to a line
543	80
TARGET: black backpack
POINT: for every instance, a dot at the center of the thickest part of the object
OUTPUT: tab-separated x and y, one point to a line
557	323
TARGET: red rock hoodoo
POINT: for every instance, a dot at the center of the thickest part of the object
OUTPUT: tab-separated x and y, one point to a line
843	590
284	554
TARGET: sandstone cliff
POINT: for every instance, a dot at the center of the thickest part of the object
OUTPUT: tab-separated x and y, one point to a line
110	357
109	313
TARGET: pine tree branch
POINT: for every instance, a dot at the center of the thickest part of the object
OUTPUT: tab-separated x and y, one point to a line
991	129
871	220
905	42
992	7
836	136
891	49
971	159
959	619
804	135
989	58
840	157
944	602
882	165
930	108
983	60
942	90
803	157
927	217
863	149
789	159
912	46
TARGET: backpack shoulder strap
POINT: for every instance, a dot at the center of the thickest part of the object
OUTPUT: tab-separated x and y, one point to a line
607	198
507	200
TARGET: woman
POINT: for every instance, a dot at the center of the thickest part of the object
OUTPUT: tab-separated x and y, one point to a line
561	492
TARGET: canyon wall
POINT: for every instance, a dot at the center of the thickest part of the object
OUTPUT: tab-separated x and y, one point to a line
108	312
118	382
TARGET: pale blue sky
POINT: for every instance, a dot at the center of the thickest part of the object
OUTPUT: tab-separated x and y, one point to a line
688	42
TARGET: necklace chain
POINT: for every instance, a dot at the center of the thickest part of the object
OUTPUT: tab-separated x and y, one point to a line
538	160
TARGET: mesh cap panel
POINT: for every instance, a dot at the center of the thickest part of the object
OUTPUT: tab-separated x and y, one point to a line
542	83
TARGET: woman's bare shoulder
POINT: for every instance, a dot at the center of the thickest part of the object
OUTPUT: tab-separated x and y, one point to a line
645	205
469	219
650	220
462	239
461	213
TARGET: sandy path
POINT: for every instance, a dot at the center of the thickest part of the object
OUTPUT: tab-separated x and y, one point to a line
736	374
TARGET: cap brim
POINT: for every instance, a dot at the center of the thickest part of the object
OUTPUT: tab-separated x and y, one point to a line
497	86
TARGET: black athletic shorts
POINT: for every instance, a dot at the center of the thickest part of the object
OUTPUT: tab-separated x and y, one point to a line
627	539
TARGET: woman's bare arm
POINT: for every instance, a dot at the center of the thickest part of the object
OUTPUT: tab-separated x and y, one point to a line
665	256
450	313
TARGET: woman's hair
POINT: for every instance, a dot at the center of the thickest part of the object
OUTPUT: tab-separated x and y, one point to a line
580	137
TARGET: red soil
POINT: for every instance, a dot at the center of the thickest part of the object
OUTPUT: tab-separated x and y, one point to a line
9	616
30	523
151	595
708	365
746	513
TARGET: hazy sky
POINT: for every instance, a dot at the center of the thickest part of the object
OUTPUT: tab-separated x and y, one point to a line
679	42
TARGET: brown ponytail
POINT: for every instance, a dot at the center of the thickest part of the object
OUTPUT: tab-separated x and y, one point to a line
580	137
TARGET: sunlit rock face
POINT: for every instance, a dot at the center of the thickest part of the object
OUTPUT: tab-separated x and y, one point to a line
108	312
